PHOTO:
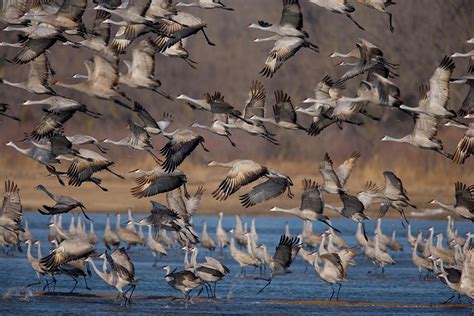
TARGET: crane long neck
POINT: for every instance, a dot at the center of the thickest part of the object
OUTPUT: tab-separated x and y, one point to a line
194	258
40	255
201	103
117	224
107	223
50	194
294	211
26	152
28	253
13	84
204	229
445	206
103	275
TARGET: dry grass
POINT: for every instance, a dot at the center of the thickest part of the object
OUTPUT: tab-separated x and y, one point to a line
422	185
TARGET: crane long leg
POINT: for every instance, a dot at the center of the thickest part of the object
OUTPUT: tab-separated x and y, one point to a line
85	282
207	38
101	148
157	160
131	293
115	174
363	230
121	103
354	21
390	21
163	94
338	290
190	62
230	141
75	284
332	294
449	299
269	281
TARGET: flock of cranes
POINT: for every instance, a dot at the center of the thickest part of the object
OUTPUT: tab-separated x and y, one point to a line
159	27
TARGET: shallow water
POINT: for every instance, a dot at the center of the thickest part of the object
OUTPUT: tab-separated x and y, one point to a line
399	292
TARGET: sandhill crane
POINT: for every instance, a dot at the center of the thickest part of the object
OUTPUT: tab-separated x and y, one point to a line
93	238
122	274
156	181
214	103
370	58
102	80
379	90
82	168
41	155
68	17
206	240
308	237
335	180
132	12
81	139
129	237
284	114
221	235
184	281
470	54
465	147
185	205
239	232
34	262
50	122
177	50
465	285
180	26
181	143
163	217
241	257
37	45
67	251
61	104
141	71
283	49
291	22
138	139
64	204
152	126
243	172
381	257
421	262
155	247
254	106
12	11
380	5
205	4
395	196
110	238
467	107
98	38
207	272
11	213
285	254
352	208
217	127
334	267
26	234
4	108
464	206
434	99
39	78
312	204
338	6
